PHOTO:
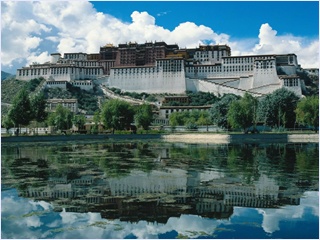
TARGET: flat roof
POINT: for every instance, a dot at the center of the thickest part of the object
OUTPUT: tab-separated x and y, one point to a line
186	107
62	100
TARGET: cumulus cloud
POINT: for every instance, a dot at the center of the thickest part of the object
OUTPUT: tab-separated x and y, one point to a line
75	26
38	58
269	42
18	36
273	217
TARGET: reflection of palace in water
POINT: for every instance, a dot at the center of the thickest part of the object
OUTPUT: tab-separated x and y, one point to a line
158	195
161	193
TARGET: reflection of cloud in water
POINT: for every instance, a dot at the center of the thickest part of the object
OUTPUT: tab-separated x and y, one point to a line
90	225
67	225
210	175
272	217
16	221
33	221
43	204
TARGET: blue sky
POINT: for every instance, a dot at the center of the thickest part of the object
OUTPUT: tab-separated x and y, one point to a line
31	31
240	19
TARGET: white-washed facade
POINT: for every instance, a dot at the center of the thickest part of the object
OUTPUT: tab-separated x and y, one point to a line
210	69
72	67
167	75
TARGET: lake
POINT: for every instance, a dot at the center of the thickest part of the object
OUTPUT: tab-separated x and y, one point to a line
150	189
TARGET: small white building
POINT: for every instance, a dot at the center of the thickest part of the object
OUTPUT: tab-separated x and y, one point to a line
56	84
83	84
71	104
166	111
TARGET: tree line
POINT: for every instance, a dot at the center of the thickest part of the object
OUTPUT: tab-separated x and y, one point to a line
115	114
280	109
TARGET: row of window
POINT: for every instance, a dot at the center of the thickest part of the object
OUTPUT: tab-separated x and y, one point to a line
44	71
61	84
82	83
75	56
291	82
244	59
134	70
169	63
211	69
183	110
200	54
238	60
87	64
37	72
265	64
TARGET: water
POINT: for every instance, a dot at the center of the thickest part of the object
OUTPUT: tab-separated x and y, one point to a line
159	190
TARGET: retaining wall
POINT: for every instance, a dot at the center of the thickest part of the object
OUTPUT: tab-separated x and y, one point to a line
182	137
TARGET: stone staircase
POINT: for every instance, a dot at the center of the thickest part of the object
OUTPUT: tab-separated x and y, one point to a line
108	93
229	89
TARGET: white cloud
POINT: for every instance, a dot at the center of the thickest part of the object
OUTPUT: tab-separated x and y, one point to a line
272	217
270	42
19	37
41	58
75	26
16	223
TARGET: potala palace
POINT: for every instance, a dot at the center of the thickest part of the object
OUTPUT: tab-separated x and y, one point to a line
161	68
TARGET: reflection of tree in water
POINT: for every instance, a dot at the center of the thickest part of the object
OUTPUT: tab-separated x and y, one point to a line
241	160
100	177
307	164
120	159
277	159
33	173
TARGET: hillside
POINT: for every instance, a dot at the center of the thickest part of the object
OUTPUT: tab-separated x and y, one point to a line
87	101
5	75
10	88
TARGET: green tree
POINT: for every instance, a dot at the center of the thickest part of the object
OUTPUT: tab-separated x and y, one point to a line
20	112
7	122
117	114
219	110
144	116
38	106
242	113
96	121
277	108
201	98
79	120
176	119
307	112
204	119
61	119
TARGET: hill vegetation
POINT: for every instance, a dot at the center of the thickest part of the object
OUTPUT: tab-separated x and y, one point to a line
87	101
5	75
10	88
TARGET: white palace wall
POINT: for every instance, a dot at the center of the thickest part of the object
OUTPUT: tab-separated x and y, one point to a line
265	73
197	85
168	76
246	82
154	82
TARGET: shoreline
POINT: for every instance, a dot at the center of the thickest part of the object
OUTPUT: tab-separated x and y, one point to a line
192	138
